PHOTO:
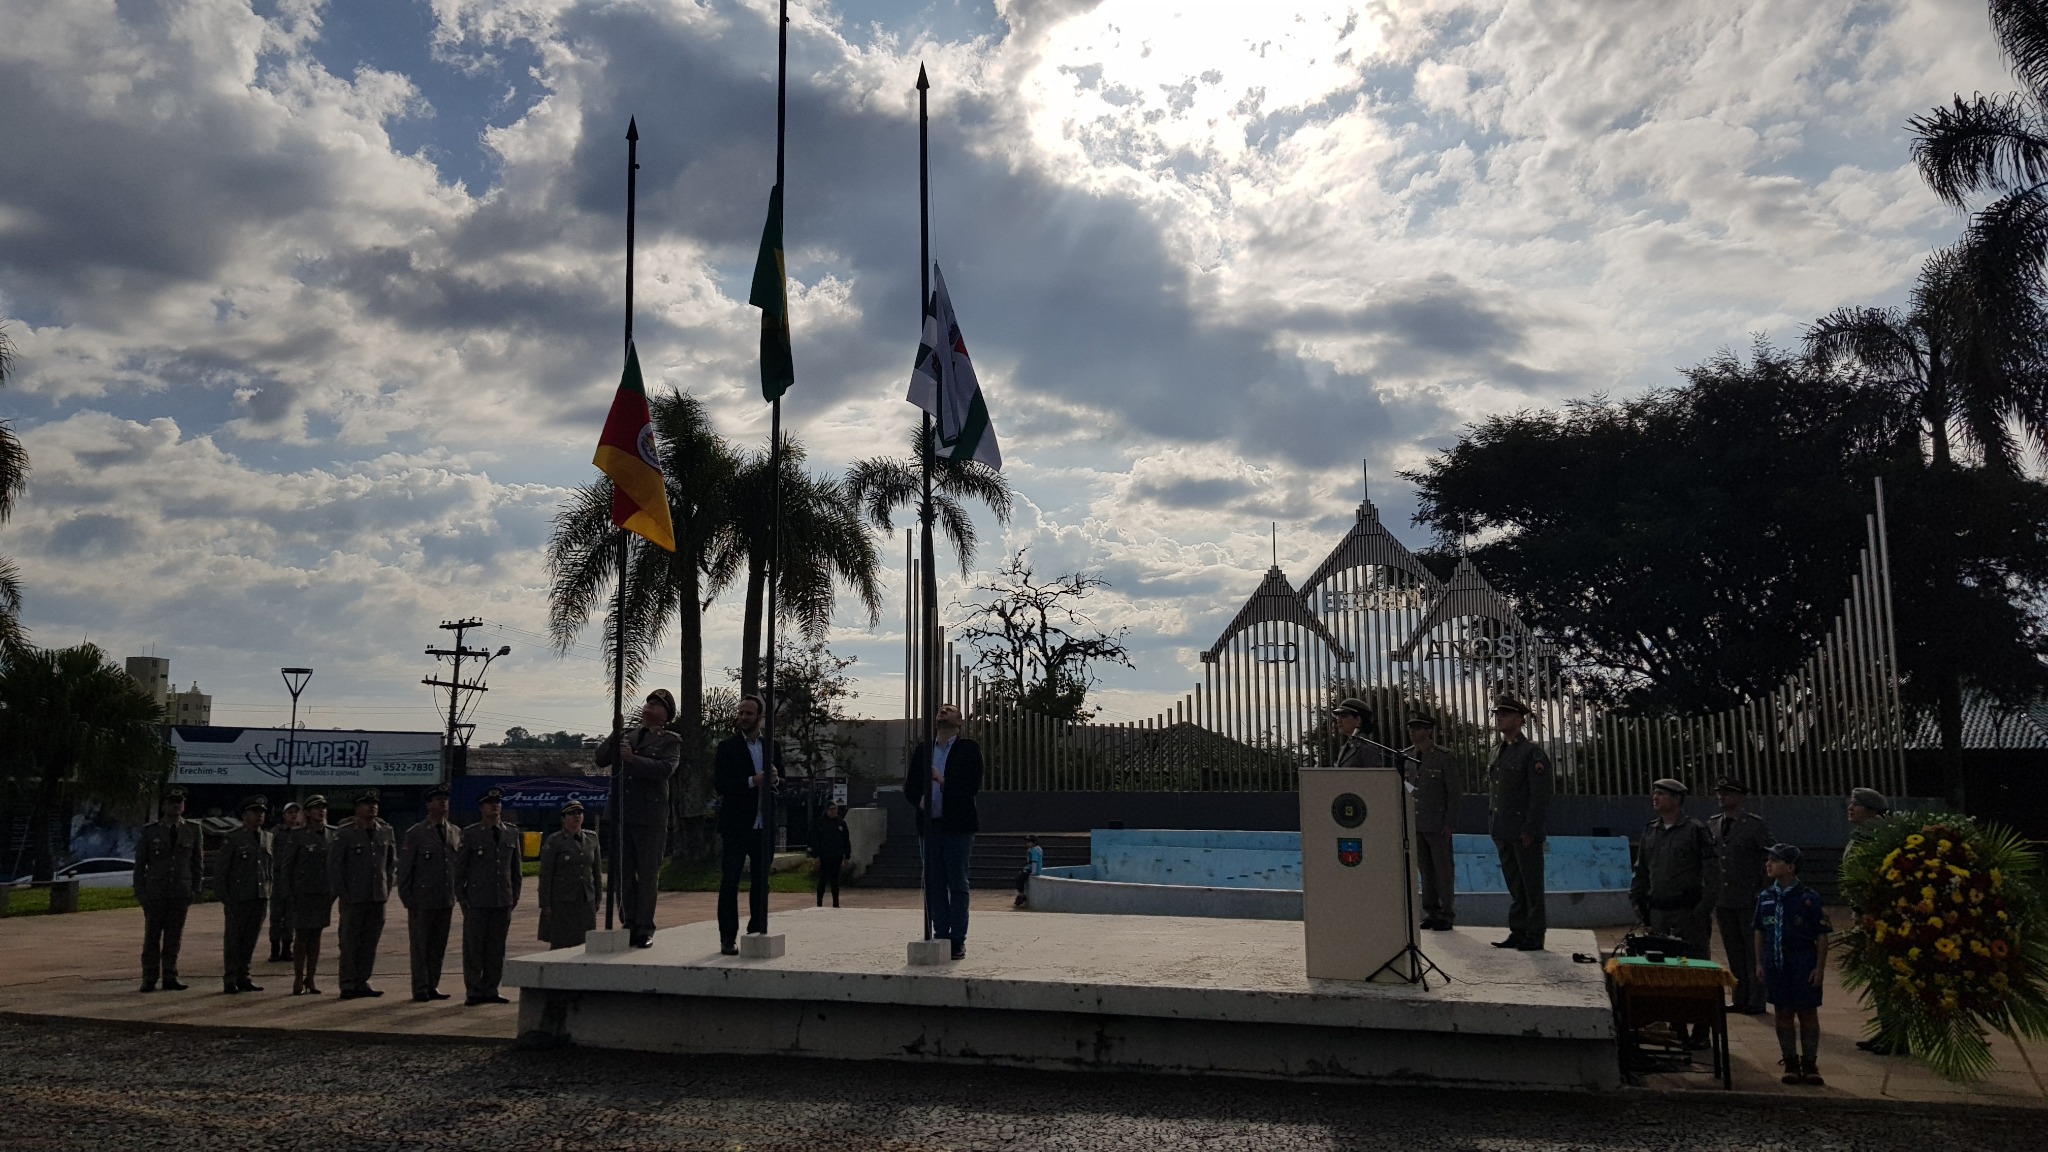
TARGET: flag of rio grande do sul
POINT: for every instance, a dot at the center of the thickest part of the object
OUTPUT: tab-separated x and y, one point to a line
626	454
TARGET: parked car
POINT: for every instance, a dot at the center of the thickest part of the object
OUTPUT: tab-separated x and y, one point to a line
97	872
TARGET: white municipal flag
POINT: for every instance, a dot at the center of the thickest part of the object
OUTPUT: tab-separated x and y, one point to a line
942	383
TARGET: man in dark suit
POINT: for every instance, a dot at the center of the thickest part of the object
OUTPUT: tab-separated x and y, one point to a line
648	758
739	772
941	785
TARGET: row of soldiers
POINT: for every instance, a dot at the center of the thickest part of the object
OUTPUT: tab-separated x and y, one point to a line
301	873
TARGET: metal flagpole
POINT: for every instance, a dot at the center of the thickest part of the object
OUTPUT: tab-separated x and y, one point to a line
766	851
928	702
611	888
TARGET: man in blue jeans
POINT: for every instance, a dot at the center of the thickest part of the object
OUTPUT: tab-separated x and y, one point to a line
941	785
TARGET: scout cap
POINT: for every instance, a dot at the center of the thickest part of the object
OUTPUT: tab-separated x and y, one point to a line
575	806
1789	853
1870	798
366	796
1352	706
667	700
1422	720
256	802
316	801
491	796
1507	703
441	790
1731	784
1675	787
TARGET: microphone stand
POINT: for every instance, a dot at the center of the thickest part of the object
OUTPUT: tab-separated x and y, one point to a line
1418	965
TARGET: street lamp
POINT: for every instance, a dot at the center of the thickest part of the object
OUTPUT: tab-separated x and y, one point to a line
295	683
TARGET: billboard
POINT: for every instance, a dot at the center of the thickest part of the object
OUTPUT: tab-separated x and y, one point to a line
315	759
547	793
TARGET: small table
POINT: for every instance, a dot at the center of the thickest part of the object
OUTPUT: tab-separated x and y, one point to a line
1675	991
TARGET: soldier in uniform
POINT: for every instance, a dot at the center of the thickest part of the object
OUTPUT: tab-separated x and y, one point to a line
1435	780
426	886
168	871
1355	730
487	883
649	758
571	881
1742	841
1518	807
1678	872
302	869
294	818
242	880
1868	806
361	869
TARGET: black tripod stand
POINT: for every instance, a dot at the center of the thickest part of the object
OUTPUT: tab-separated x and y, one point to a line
1410	965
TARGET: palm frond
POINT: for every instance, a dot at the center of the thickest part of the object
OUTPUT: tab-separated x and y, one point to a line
1879	340
582	561
1980	143
2021	27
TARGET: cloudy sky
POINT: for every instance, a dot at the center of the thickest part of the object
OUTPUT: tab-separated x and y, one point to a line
318	303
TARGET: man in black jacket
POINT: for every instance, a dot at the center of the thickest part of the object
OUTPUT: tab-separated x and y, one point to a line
648	758
831	843
941	786
738	773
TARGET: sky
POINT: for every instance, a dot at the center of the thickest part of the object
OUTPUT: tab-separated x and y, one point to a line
318	304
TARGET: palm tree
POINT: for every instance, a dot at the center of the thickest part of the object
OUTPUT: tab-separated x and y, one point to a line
71	721
882	485
13	478
822	544
1996	144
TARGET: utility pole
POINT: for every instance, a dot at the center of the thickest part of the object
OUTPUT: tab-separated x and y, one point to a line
457	754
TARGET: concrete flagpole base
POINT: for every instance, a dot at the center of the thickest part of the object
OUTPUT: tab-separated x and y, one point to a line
603	941
761	946
930	951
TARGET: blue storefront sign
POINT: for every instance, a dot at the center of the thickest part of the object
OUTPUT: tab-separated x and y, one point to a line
546	793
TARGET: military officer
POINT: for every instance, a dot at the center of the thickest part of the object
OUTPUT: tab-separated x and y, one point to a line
1518	808
1678	872
649	758
1742	842
571	881
302	868
361	869
487	883
1434	777
1355	730
292	818
242	874
426	886
168	872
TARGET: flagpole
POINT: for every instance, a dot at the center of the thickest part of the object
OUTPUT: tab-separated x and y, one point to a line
611	888
766	852
929	590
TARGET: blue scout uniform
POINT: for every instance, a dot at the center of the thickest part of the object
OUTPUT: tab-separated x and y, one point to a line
1791	921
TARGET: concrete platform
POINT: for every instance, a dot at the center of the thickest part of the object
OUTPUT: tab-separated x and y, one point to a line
1140	993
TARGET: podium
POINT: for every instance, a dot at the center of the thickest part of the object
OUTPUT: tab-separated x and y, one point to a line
1357	882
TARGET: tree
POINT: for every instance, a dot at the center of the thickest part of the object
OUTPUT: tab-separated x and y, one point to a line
1036	644
880	485
13	478
70	721
521	738
812	681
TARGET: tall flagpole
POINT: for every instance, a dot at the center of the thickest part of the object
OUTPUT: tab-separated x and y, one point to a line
612	815
927	636
766	851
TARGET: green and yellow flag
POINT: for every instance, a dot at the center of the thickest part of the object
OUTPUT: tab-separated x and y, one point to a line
771	296
626	453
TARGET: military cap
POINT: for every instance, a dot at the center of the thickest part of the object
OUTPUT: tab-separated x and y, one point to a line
1507	703
1667	784
1352	705
575	806
316	802
174	792
1789	853
1422	720
1870	798
290	806
256	802
667	699
441	790
366	796
491	796
1732	784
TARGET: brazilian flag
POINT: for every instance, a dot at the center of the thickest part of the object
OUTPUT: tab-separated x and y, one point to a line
771	296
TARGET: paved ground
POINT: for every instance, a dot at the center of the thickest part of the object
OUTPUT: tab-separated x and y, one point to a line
71	1084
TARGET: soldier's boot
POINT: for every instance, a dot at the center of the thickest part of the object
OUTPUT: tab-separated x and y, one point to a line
312	966
171	983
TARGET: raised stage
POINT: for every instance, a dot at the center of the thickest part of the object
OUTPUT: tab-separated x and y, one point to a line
1139	993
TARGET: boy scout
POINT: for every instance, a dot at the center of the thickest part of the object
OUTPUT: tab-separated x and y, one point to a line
1743	842
302	871
487	883
242	880
426	886
294	818
1518	808
1435	780
168	871
360	869
571	881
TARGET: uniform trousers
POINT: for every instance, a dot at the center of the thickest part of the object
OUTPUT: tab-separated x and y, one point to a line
1738	947
280	923
483	949
244	927
734	856
163	933
362	925
640	863
1438	866
426	931
1521	865
1691	925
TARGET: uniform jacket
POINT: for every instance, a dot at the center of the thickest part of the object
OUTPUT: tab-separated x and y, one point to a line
956	796
168	861
426	866
363	865
1677	869
1742	842
1520	800
242	869
1356	753
302	862
487	873
1437	791
571	871
731	769
1791	921
651	758
831	839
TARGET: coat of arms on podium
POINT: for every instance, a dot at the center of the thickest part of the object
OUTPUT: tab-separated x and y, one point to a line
1350	852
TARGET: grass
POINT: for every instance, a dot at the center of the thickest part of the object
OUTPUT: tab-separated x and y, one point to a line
36	901
704	878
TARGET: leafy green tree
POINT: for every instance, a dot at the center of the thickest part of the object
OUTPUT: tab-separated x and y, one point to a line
1035	642
13	478
814	686
72	725
881	485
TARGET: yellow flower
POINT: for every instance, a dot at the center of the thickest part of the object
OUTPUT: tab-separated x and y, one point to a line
1891	858
1948	1001
1913	953
1901	967
1948	946
1959	873
1892	875
1999	981
1997	878
1915	840
1934	922
1927	893
1943	846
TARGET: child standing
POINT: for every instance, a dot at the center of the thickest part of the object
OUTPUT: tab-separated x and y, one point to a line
1792	958
1034	863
